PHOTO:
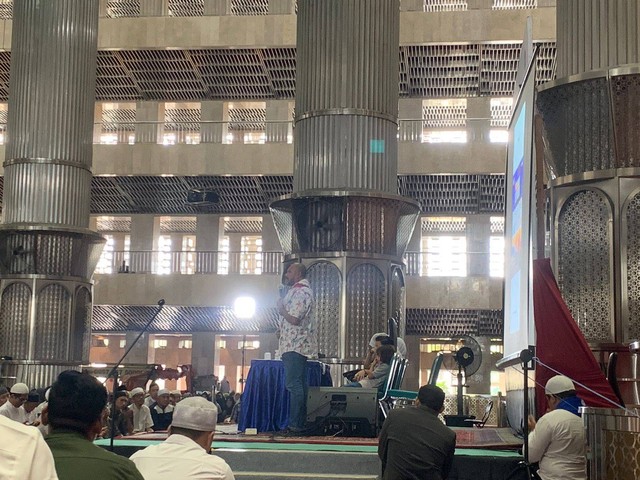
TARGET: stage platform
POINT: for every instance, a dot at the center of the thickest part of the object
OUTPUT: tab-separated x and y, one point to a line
270	457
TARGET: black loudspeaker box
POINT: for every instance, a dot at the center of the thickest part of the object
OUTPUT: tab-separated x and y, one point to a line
343	411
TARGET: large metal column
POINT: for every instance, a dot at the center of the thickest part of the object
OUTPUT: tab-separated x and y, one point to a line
592	155
344	219
47	252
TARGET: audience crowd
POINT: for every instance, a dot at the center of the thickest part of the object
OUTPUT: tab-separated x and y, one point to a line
49	434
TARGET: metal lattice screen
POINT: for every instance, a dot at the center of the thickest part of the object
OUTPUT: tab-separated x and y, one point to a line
584	262
444	113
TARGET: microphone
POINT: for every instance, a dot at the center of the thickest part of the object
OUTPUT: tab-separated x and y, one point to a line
282	290
161	302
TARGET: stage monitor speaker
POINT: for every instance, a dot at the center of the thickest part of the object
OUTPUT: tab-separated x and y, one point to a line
343	411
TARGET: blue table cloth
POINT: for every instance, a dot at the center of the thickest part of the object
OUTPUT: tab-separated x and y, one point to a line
265	401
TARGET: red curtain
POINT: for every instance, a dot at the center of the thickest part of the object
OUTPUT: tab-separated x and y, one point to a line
560	343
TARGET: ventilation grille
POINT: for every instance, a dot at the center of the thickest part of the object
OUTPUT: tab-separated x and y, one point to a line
6	9
445	113
465	194
247	119
249	7
426	71
444	225
113	224
182	119
497	225
186	8
178	225
445	5
241	225
251	194
435	322
123	8
119	120
501	112
514	4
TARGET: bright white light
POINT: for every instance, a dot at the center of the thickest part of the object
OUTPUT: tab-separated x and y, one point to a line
244	307
498	136
99	365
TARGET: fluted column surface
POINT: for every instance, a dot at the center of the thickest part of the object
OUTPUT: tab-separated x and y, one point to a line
47	252
52	84
346	95
596	34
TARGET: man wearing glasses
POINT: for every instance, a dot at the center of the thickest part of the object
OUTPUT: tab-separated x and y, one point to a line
14	409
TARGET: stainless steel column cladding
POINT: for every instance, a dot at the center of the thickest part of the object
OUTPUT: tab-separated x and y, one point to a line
344	219
592	158
347	95
47	253
596	34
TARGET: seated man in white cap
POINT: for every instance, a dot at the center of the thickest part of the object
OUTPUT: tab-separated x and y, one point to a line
161	411
24	454
557	440
186	453
142	421
14	409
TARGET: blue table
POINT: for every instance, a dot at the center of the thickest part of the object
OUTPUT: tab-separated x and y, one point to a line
265	401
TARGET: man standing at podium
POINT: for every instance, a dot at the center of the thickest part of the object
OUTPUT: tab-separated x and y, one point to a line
298	342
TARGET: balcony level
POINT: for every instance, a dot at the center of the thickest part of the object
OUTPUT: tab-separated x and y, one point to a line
160	24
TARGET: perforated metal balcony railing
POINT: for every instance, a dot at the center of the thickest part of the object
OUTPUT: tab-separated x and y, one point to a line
189	133
422	264
190	262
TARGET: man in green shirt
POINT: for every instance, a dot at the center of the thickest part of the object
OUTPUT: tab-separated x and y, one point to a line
76	402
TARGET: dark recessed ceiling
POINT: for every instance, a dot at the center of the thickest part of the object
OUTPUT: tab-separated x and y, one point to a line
251	194
180	319
185	319
445	71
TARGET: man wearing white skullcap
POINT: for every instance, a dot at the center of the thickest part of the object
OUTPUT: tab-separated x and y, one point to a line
14	409
142	421
185	454
161	410
557	440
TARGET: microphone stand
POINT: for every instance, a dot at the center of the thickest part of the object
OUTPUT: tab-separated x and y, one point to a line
114	372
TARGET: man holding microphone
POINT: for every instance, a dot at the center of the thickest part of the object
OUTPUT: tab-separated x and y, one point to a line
298	342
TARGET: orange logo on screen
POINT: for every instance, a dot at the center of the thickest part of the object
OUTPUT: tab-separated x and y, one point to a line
516	240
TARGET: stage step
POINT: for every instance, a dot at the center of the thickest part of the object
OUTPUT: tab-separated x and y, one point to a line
301	465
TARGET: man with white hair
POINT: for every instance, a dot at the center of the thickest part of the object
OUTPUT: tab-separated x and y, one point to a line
14	408
142	421
186	453
557	440
24	455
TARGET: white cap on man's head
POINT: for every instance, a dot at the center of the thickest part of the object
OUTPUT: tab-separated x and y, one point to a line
372	342
195	413
20	389
558	384
164	391
136	391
